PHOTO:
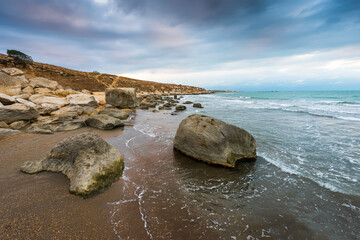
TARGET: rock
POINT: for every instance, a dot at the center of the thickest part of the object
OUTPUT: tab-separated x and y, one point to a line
41	82
75	108
214	141
22	80
90	110
18	125
24	96
40	129
83	100
116	113
6	99
89	162
69	126
47	108
108	106
121	97
42	90
168	105
12	71
3	124
8	132
64	114
188	102
180	108
28	90
40	99
9	85
16	112
27	103
104	122
197	105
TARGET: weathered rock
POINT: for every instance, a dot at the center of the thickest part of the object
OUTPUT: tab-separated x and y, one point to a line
62	113
18	125
121	97
90	163
9	85
24	96
104	122
75	108
42	90
41	82
188	102
40	99
6	99
28	90
16	112
12	71
41	129
83	100
47	108
27	103
69	126
22	80
180	108
4	132
90	110
116	113
197	105
214	141
3	124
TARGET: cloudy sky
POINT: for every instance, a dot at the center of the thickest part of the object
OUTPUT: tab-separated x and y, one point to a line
216	44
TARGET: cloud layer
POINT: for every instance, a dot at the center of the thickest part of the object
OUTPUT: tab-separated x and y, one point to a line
233	44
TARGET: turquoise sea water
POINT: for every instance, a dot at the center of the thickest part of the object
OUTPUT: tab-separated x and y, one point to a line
312	134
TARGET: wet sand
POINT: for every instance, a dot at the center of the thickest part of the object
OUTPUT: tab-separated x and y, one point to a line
39	206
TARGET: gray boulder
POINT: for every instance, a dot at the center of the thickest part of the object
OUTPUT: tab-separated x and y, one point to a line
121	97
104	122
16	112
89	162
6	99
214	141
116	113
40	82
5	132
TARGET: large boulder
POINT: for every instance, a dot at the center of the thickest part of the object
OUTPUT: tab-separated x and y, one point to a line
90	163
121	97
16	112
116	113
40	82
104	122
40	99
12	71
214	141
82	100
9	85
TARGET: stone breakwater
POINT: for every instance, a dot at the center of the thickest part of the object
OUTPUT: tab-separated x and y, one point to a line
43	106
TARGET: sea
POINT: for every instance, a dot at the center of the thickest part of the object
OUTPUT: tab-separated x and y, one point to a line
304	184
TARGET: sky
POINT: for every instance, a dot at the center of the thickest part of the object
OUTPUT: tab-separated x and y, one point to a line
215	44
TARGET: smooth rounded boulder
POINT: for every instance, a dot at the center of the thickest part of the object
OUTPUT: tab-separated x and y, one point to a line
90	163
214	141
121	97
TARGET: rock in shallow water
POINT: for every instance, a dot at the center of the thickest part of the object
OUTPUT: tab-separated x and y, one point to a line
90	163
214	141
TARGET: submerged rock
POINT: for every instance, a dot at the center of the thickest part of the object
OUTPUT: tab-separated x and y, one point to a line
180	108
214	141
104	122
121	97
197	105
89	162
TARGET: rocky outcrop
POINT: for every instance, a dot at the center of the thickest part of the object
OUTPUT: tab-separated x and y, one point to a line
40	99
214	141
9	85
121	97
116	113
16	112
104	122
40	82
12	71
83	100
89	162
6	99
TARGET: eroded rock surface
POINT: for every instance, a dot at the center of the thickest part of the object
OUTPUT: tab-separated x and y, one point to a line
121	97
89	162
214	141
